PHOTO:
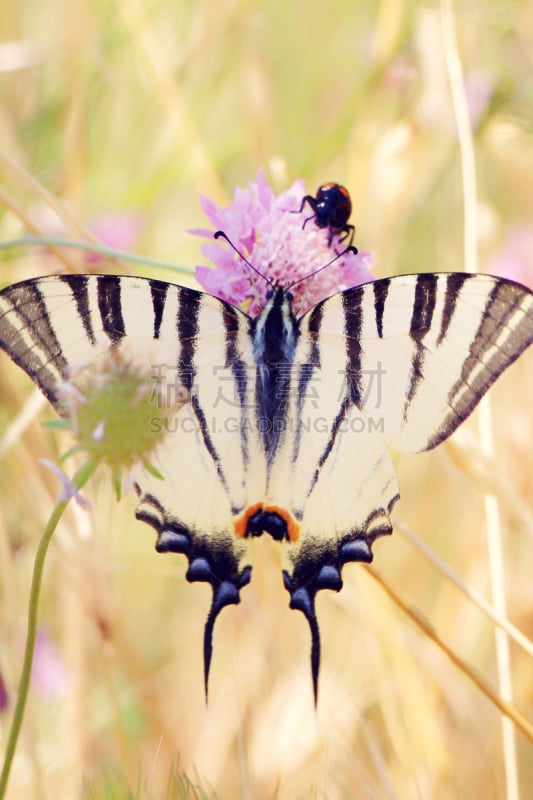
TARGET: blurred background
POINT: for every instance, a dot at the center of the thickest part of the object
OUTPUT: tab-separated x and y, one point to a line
114	117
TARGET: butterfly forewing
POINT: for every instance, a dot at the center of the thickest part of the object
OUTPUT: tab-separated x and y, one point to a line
421	350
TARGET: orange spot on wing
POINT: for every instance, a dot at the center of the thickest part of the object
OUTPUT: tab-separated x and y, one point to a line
240	523
293	529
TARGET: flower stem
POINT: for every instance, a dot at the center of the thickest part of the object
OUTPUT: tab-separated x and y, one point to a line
93	247
79	480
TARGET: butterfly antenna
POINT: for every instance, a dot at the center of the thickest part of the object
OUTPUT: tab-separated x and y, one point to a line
349	249
222	235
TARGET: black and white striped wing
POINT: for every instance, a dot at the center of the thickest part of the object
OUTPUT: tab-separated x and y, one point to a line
401	361
421	350
55	327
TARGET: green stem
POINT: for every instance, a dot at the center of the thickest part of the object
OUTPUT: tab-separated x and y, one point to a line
79	480
93	247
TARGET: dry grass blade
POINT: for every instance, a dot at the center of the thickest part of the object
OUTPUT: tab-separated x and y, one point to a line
483	685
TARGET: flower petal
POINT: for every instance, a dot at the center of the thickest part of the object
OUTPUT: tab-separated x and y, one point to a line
68	489
282	247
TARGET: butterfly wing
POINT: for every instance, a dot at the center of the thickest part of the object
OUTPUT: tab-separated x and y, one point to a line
193	346
401	360
438	342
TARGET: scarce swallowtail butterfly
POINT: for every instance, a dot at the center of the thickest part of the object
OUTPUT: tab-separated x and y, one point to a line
300	451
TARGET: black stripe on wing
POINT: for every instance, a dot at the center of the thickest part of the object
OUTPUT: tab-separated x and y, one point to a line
336	429
454	284
421	321
159	291
187	331
29	338
352	304
110	306
240	371
79	286
381	291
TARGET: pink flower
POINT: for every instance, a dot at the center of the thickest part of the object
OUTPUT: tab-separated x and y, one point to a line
119	230
479	91
515	259
263	229
115	229
49	676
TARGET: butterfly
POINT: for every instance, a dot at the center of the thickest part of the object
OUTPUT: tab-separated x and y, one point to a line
282	423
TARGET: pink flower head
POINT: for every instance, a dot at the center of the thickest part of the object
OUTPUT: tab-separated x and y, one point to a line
116	229
49	676
479	91
119	230
280	248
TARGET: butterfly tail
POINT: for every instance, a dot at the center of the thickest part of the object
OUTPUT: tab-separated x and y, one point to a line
225	594
312	575
303	601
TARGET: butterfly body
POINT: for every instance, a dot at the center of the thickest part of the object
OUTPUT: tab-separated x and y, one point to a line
275	333
282	421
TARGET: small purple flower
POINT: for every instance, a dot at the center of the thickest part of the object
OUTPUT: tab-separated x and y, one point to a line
4	697
68	489
262	227
515	259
